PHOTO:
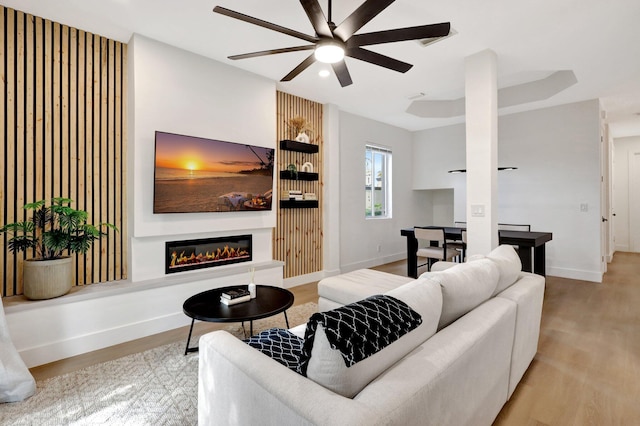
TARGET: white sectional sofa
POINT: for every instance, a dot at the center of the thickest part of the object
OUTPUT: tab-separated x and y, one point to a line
479	333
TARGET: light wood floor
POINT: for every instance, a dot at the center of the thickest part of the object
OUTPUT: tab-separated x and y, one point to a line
586	371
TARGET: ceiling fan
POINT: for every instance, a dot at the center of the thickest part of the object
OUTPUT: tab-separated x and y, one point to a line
331	42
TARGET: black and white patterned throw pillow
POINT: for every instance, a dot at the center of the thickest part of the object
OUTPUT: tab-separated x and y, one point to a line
279	344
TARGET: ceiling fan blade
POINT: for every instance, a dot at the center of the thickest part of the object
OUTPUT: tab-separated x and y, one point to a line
297	70
264	24
317	18
340	68
378	59
400	34
366	12
272	52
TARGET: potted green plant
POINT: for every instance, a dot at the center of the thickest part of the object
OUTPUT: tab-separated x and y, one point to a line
54	231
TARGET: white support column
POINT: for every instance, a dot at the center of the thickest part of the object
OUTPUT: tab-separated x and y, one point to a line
330	196
481	106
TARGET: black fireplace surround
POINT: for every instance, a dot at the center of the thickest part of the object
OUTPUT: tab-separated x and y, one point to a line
187	255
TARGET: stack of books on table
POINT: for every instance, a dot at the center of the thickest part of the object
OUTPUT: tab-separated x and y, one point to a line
237	295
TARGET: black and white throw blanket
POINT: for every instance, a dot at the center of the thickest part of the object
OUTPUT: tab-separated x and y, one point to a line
361	329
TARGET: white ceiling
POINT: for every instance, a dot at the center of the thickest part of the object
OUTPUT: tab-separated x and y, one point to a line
598	40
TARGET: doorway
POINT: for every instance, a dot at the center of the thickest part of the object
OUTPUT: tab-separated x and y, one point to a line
626	194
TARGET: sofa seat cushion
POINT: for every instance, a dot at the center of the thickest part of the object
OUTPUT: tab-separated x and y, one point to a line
357	285
279	344
464	287
327	366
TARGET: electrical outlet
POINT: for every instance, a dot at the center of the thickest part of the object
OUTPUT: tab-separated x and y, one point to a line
379	248
584	207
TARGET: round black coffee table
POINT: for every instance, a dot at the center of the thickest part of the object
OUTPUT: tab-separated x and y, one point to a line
206	306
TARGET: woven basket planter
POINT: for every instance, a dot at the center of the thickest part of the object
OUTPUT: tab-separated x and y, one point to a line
46	279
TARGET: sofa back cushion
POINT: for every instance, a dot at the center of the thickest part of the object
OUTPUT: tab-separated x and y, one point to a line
464	287
327	366
509	265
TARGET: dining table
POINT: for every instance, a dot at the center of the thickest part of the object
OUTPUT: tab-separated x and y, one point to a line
530	247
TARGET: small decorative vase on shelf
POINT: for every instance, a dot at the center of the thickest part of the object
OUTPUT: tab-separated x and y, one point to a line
302	137
252	286
307	167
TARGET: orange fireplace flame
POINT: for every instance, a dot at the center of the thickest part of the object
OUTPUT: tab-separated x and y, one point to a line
219	255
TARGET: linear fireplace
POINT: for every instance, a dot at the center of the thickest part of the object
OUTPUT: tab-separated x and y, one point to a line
186	255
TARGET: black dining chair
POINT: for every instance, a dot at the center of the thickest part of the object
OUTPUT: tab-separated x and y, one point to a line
460	245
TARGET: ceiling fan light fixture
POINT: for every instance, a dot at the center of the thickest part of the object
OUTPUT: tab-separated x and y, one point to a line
331	42
329	52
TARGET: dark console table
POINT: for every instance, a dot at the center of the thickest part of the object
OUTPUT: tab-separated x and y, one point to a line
527	243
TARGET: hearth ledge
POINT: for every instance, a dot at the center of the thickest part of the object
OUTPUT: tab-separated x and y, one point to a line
112	288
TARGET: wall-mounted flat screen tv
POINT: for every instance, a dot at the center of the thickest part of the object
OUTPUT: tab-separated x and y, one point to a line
195	174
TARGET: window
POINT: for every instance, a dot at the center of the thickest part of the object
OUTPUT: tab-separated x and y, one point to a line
377	182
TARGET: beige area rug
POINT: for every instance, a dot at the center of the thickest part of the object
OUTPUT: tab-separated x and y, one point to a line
155	387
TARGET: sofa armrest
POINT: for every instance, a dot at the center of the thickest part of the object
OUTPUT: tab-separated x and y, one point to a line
460	376
238	385
528	294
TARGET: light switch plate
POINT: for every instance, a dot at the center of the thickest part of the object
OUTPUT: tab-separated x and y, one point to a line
477	210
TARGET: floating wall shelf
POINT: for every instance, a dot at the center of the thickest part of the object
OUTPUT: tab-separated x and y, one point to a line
301	204
286	174
290	145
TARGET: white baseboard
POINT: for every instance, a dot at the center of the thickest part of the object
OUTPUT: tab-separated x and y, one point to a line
620	247
372	262
332	273
303	279
575	274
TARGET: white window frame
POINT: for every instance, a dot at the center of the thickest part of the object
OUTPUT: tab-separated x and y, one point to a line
384	172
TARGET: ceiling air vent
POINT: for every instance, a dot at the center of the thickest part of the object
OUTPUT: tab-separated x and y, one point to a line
429	41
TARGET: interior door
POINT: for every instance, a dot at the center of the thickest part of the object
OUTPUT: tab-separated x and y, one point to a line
634	201
604	197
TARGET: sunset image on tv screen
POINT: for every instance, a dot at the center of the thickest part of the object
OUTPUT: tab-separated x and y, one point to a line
195	174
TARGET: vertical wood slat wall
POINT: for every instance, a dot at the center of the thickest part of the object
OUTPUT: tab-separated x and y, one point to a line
63	123
297	238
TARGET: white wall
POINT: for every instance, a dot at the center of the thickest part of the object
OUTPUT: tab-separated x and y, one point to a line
434	153
557	154
621	195
442	200
360	237
180	92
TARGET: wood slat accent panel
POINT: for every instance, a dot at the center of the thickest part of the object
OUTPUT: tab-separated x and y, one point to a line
64	97
297	238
